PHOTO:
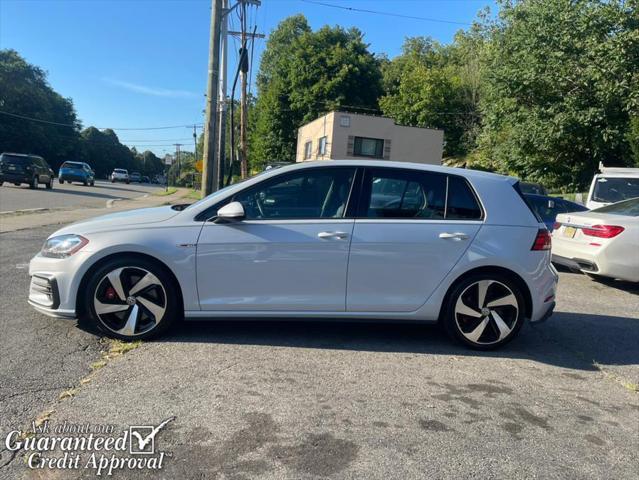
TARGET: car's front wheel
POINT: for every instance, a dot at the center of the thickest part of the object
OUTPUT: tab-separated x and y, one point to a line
49	184
484	311
34	182
131	299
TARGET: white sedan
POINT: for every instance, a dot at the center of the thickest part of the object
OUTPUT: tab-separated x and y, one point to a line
604	241
327	239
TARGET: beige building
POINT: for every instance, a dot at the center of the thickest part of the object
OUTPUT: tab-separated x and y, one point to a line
341	135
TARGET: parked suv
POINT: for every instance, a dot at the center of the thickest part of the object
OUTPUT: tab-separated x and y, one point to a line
76	172
349	239
120	175
18	168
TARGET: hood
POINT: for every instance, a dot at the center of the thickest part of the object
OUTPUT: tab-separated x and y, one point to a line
117	221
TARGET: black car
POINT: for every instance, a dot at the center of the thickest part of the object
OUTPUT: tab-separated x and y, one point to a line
548	207
18	168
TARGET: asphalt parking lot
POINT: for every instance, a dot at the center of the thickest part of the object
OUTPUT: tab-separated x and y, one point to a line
67	195
330	400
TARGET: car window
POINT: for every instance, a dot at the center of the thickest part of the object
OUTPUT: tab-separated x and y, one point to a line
71	165
312	193
628	207
15	160
615	189
390	193
462	204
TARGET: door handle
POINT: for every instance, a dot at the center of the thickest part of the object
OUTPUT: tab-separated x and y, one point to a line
453	236
337	235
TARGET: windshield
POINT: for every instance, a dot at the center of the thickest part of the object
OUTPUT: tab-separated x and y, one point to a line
119	170
222	190
627	207
615	189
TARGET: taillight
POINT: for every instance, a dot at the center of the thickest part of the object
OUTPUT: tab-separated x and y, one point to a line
556	226
542	240
603	231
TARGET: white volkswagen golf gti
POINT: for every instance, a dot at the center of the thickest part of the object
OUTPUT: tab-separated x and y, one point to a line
326	239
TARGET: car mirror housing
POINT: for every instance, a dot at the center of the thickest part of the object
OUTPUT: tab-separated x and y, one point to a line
232	212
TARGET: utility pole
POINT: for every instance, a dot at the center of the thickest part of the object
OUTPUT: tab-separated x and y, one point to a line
195	159
177	158
244	66
211	166
222	106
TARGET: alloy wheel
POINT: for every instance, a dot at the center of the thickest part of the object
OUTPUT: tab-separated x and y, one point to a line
130	301
486	312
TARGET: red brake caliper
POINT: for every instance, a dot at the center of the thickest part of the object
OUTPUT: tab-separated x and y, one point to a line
110	293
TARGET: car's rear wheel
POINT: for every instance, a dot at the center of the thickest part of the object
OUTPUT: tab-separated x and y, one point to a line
85	183
131	299
484	311
60	181
34	182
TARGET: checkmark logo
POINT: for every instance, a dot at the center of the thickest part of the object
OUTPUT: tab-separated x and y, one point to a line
142	438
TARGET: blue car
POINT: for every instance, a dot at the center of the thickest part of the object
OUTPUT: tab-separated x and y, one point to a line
548	207
76	172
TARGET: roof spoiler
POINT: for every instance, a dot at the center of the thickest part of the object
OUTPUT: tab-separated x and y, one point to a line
603	169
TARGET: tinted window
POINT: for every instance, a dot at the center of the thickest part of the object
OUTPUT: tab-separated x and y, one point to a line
313	193
462	204
71	165
392	193
15	160
629	207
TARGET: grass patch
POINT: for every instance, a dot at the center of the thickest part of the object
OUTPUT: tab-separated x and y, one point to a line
630	386
194	194
169	191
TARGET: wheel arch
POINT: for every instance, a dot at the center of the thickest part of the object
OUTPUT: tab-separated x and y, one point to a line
513	276
79	304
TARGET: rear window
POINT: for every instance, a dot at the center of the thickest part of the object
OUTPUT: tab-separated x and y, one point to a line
15	160
119	170
71	165
628	207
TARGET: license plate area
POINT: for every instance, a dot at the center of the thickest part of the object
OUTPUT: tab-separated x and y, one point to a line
570	232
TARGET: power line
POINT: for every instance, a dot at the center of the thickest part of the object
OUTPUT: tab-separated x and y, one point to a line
39	120
389	14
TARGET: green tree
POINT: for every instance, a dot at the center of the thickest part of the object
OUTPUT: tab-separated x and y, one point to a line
104	152
25	91
561	82
304	74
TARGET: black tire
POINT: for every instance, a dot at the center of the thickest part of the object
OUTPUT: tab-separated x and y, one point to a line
92	183
49	185
172	303
85	183
513	317
60	181
112	181
34	182
127	182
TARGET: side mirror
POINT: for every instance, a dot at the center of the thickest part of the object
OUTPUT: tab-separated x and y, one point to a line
232	212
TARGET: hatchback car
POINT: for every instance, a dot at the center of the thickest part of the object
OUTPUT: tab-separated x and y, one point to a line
18	168
76	172
326	239
120	175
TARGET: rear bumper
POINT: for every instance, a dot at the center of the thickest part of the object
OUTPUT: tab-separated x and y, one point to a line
575	263
550	310
15	178
74	178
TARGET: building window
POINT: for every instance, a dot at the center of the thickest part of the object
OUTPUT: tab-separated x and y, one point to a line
308	150
321	148
344	121
368	147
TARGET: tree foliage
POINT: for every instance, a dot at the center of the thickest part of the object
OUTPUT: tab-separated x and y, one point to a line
24	90
561	81
304	74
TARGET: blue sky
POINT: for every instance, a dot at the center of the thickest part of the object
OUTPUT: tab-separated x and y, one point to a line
143	63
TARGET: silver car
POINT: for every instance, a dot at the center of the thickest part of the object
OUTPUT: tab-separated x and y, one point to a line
339	239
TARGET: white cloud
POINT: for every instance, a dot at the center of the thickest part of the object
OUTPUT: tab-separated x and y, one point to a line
156	92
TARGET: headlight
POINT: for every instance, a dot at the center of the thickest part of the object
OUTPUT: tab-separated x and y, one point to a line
63	246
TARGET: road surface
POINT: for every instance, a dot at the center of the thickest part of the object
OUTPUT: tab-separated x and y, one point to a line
74	195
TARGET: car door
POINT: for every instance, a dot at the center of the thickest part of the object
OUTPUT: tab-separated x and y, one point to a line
289	253
411	229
